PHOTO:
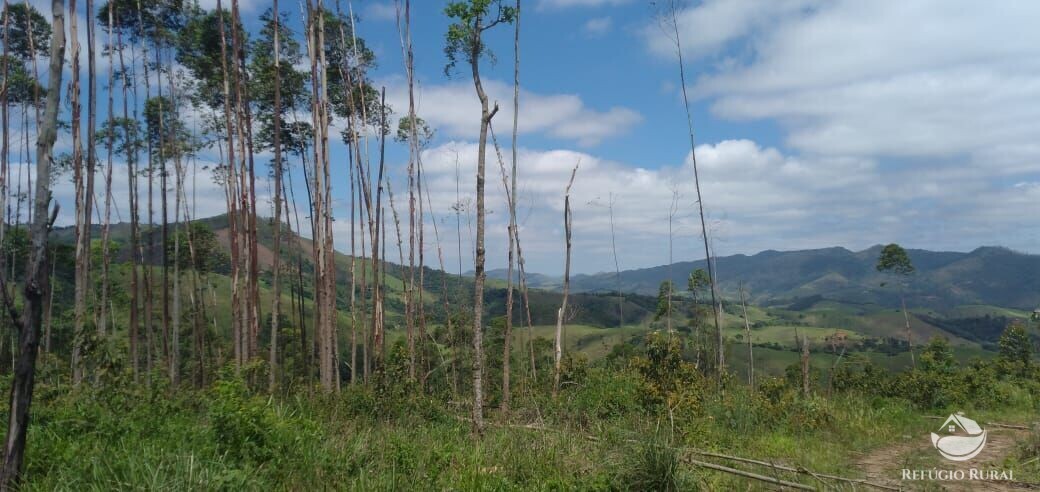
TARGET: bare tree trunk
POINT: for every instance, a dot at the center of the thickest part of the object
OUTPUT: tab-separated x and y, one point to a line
805	366
135	243
486	113
354	210
91	141
507	353
558	359
276	302
617	266
909	337
747	334
36	273
83	200
671	285
700	201
237	323
102	319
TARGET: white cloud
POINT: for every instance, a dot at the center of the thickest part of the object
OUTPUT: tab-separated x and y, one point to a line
755	198
562	4
598	26
933	79
453	108
382	11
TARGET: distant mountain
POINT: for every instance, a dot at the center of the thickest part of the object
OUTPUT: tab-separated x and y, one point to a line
987	275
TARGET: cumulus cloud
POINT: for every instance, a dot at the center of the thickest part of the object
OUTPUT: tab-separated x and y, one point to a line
451	107
755	197
932	79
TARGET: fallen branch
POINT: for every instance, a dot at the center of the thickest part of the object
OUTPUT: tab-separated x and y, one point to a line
799	469
746	474
1008	426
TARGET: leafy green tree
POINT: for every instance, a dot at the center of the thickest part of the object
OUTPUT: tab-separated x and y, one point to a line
292	82
352	94
894	260
696	283
21	86
663	305
209	254
937	356
464	41
1016	351
28	31
198	49
165	130
422	131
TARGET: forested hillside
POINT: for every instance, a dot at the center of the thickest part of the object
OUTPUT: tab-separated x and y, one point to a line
987	275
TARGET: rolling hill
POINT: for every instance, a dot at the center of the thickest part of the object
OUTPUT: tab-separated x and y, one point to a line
988	275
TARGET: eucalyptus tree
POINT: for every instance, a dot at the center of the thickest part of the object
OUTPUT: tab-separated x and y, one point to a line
465	43
895	262
353	98
26	36
276	87
28	320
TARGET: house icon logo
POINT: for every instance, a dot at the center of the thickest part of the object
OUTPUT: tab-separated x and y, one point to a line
961	438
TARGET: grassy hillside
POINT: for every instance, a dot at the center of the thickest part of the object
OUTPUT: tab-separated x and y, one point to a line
943	280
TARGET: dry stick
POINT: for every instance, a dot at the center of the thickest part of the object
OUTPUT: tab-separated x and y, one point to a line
700	201
566	281
404	33
444	279
515	238
506	352
672	209
755	476
799	469
747	333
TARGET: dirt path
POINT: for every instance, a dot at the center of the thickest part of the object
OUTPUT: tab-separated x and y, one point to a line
885	464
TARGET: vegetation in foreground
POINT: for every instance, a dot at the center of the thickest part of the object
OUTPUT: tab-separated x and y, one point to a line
633	420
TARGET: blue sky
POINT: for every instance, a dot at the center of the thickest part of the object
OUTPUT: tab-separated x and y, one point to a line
819	123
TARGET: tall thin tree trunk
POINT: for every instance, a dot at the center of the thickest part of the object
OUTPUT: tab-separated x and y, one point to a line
721	361
562	312
276	302
82	276
747	334
36	273
805	366
507	353
103	312
909	337
486	113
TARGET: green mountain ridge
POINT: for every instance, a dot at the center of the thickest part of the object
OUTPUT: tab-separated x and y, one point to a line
988	275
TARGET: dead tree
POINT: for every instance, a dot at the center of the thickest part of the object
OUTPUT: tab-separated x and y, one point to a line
558	357
673	21
747	334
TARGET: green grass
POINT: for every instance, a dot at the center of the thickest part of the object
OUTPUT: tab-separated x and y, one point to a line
595	436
